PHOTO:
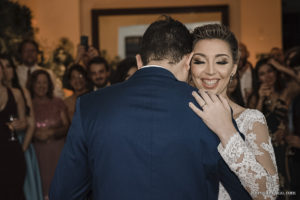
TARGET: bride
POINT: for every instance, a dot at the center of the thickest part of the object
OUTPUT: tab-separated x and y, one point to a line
213	66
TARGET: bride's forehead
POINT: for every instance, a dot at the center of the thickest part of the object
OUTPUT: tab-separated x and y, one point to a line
212	44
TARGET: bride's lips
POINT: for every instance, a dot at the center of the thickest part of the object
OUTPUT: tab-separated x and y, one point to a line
210	83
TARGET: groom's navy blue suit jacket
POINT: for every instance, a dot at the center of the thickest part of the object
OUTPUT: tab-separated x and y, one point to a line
139	140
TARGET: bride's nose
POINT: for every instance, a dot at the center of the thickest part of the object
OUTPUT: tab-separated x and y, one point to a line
210	69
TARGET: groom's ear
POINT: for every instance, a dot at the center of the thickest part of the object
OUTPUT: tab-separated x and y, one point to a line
188	61
139	61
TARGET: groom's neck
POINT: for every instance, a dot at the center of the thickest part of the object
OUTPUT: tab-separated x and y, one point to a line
176	69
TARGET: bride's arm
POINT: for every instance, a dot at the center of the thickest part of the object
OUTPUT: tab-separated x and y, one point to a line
253	160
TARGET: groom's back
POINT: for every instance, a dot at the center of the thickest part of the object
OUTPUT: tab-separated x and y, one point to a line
145	143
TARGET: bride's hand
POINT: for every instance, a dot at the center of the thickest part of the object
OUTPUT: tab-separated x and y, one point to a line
215	113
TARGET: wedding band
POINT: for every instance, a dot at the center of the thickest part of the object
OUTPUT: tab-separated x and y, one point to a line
203	105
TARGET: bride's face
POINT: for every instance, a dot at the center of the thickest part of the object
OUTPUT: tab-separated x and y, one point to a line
212	65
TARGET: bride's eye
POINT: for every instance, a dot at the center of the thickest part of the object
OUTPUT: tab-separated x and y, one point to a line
222	62
198	62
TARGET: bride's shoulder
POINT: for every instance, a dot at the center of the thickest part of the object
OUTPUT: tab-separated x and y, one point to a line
252	115
253	112
248	118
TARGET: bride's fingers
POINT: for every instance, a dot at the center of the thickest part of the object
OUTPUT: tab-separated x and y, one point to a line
224	102
213	97
196	110
199	99
206	97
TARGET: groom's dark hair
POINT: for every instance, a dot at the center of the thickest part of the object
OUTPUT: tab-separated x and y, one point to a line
166	39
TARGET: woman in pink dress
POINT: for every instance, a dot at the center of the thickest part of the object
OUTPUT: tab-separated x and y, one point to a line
51	125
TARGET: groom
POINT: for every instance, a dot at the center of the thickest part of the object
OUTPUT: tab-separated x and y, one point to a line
139	140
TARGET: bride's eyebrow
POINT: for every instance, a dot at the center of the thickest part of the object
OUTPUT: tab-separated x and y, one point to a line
200	54
221	55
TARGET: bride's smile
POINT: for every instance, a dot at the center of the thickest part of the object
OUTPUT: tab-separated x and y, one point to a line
210	83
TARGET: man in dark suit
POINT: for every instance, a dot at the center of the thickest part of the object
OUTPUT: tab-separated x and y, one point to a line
139	140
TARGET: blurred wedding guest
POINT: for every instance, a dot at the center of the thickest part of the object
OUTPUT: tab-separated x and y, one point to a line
13	166
293	141
85	54
291	72
28	51
234	90
99	73
270	96
290	54
245	71
51	125
277	54
32	184
295	65
11	81
79	83
125	69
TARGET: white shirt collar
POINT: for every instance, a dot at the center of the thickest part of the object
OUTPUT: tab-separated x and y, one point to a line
147	66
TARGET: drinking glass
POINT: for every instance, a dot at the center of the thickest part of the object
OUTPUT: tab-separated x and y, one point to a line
12	132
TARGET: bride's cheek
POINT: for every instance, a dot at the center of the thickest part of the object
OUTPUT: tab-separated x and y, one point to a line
194	71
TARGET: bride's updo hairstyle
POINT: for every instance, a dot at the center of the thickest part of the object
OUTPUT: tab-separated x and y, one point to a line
217	31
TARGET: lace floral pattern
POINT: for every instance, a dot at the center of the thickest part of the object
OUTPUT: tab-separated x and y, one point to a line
247	159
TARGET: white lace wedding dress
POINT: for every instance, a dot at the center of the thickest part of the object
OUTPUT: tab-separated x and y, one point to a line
252	160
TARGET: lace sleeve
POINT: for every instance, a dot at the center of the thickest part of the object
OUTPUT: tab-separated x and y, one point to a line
253	160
